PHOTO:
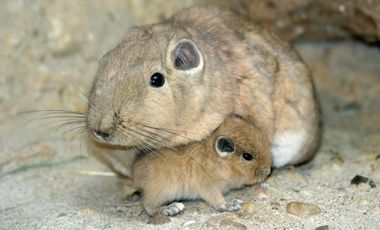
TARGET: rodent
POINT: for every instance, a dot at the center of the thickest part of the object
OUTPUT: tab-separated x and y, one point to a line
174	82
236	154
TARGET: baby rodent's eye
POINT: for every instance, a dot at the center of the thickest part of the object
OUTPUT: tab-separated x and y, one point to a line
248	156
157	80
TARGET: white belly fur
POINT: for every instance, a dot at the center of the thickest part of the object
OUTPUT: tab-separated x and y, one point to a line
287	147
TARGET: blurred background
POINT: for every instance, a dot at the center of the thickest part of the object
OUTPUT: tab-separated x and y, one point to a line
49	52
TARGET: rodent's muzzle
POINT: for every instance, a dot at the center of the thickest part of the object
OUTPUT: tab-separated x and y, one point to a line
101	127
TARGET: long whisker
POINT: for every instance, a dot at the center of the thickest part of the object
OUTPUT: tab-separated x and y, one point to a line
154	130
153	134
51	111
173	131
76	134
139	142
81	128
47	132
151	148
82	95
160	144
150	145
59	123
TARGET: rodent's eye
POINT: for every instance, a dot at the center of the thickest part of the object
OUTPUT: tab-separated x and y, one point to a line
247	156
224	146
157	80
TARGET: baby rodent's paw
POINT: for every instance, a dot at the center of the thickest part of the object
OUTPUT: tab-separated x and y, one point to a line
136	196
231	206
172	209
129	191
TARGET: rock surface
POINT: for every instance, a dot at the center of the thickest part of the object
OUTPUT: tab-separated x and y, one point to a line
296	19
231	225
49	53
159	220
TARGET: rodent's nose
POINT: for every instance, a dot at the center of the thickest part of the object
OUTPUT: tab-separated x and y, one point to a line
100	134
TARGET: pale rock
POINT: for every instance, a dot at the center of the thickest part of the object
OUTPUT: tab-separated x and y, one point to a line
302	210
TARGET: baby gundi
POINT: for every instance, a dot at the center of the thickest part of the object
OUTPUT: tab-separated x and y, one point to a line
236	154
173	83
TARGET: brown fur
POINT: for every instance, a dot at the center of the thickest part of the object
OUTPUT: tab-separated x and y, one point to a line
246	71
197	171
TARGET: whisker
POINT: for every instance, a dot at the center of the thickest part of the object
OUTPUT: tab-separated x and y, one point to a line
76	129
52	120
139	142
172	131
151	148
82	95
155	141
77	135
51	111
156	135
46	131
57	123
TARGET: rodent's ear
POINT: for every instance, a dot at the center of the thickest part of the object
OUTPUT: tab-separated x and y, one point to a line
186	56
224	146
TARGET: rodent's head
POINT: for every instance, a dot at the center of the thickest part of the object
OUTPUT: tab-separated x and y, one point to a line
245	149
152	91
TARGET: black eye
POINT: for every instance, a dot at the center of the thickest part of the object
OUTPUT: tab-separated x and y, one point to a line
225	145
247	156
157	80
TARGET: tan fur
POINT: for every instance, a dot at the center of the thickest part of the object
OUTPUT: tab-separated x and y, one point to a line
197	171
246	71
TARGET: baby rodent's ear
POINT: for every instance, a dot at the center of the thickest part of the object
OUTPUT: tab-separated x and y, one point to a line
184	55
224	146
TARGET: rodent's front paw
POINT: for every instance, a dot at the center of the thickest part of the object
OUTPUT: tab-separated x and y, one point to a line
231	206
172	209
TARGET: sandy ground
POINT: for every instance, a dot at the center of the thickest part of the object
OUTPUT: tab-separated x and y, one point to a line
48	52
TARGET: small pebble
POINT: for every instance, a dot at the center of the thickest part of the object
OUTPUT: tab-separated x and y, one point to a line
260	192
302	209
374	208
230	224
363	180
275	205
89	212
351	108
323	227
247	207
159	219
245	215
188	223
62	214
336	158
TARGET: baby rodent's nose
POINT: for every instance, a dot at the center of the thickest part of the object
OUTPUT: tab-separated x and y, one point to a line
103	128
101	134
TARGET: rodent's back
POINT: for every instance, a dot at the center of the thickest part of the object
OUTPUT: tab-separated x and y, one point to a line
276	91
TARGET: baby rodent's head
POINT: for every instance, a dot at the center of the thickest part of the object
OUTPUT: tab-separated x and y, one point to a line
154	90
245	150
